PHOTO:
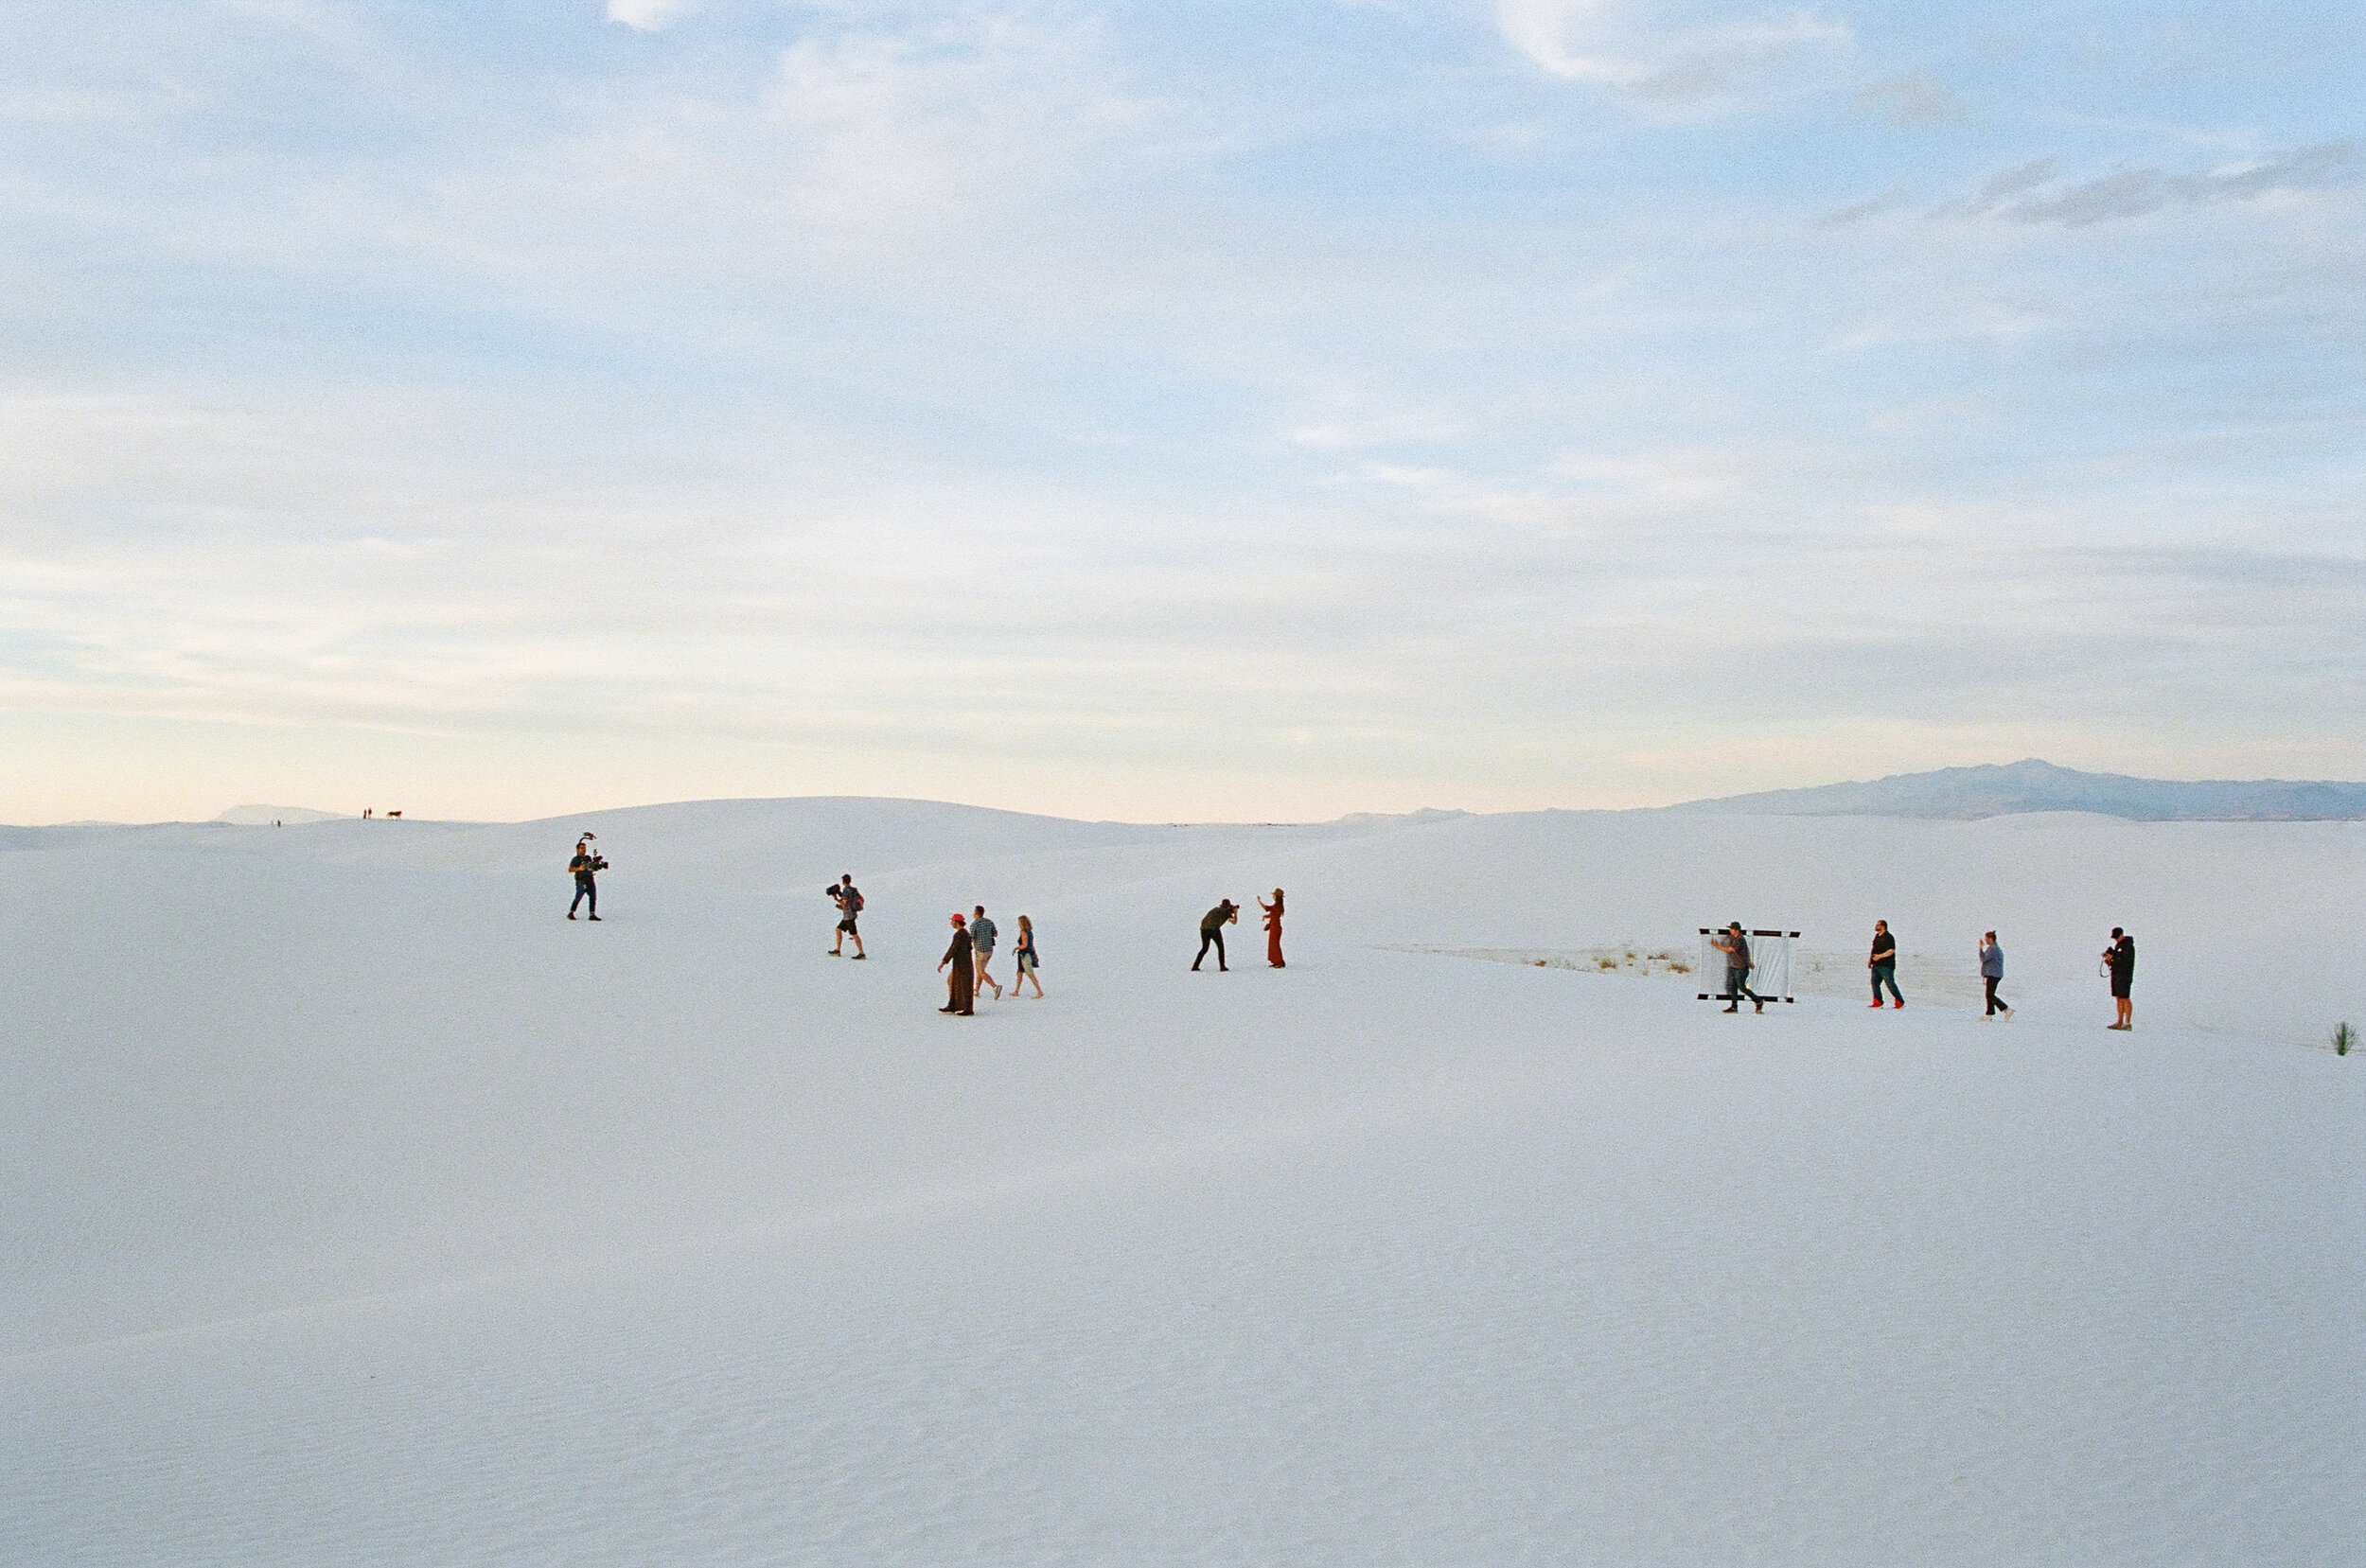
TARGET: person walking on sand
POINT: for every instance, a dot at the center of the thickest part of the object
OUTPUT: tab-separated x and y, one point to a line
1885	964
2119	963
1991	975
981	935
1212	927
1737	950
1273	929
1023	954
849	902
961	985
586	866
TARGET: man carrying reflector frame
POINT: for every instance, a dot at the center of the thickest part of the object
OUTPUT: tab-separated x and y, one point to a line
1734	951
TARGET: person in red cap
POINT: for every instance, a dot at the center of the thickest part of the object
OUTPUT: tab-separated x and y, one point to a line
963	984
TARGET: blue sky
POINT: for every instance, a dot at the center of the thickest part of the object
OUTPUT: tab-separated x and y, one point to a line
1179	410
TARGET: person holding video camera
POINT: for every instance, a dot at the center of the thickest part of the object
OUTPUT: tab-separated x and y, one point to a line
849	902
586	864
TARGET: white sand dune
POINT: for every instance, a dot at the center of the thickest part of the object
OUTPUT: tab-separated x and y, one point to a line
358	1210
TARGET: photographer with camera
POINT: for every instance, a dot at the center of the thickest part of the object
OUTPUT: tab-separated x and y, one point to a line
587	863
849	900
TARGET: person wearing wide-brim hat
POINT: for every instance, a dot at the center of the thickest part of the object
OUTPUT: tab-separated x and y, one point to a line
962	986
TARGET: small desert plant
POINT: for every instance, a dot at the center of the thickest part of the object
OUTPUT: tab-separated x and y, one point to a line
2343	1038
1680	968
1542	964
1605	963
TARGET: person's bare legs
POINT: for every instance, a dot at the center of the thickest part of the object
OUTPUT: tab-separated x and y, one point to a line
1025	974
985	978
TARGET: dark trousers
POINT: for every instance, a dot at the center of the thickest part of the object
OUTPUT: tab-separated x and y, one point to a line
1885	974
1738	986
586	888
1996	1003
1215	935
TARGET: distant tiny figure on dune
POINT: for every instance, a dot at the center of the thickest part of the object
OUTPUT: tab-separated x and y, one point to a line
1883	963
586	864
849	900
2119	966
982	935
961	985
1023	954
1273	929
1992	975
1212	927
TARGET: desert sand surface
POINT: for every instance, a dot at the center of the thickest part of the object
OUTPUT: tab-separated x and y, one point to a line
357	1209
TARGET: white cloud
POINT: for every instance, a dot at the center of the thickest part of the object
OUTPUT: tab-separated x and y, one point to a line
1611	46
648	16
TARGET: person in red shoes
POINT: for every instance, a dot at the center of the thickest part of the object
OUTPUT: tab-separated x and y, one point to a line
1883	963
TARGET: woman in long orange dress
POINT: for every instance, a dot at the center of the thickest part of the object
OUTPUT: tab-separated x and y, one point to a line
1273	929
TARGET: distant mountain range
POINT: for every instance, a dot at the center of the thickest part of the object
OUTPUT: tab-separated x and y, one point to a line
1999	790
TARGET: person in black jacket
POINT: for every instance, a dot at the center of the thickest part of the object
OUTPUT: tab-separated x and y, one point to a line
2119	961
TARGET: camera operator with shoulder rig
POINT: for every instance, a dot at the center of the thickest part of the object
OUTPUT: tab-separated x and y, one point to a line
586	864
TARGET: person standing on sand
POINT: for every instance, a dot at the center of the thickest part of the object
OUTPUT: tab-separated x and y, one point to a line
981	935
586	867
1024	956
1212	927
962	986
2119	963
1991	975
1885	964
849	902
1273	929
1737	950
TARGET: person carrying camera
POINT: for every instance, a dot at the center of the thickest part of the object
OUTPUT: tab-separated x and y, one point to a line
586	865
849	902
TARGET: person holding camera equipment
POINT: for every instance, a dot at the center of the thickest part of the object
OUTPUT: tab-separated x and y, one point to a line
586	864
849	902
1212	927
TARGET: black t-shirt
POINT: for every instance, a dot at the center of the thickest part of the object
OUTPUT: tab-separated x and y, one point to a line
2124	959
1884	948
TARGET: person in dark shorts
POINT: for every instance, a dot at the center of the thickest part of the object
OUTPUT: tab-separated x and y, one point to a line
1212	927
1883	963
586	866
1991	975
1737	950
961	985
849	902
2119	963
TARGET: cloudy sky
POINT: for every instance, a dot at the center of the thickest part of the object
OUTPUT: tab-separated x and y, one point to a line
1252	409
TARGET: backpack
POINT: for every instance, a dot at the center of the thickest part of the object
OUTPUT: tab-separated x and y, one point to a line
854	902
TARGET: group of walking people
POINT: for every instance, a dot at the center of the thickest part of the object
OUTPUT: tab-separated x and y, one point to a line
966	960
2118	966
